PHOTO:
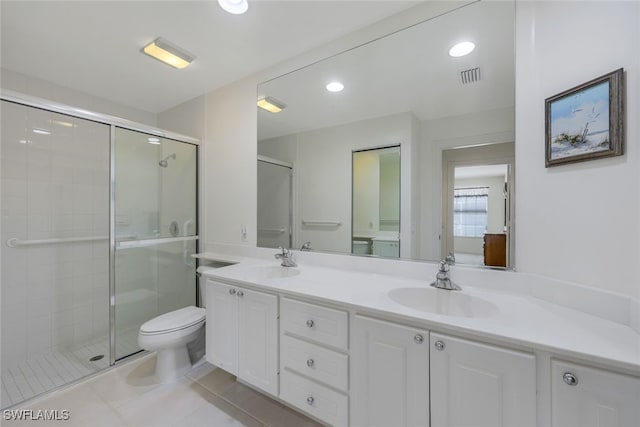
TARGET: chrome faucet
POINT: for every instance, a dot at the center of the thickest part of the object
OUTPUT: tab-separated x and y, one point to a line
451	258
286	257
442	278
306	246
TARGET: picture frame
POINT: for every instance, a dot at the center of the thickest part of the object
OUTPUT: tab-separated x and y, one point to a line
586	121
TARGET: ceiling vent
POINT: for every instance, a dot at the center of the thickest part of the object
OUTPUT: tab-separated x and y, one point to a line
471	75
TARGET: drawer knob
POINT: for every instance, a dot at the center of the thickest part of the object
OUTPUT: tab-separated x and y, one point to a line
310	400
240	294
418	339
439	345
310	323
232	291
310	363
570	378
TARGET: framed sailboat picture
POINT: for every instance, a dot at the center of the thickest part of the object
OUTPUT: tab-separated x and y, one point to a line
586	122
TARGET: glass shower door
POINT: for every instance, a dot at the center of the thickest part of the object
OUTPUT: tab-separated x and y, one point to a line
55	250
155	231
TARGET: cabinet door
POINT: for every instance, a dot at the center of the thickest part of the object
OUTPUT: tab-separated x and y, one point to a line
258	339
475	384
222	326
390	374
592	397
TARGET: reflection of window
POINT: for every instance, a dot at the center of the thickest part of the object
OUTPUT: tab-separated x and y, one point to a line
470	211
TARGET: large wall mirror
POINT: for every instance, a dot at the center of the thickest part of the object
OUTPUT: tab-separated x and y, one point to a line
439	129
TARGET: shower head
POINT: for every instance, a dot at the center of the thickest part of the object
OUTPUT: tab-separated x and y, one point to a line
164	163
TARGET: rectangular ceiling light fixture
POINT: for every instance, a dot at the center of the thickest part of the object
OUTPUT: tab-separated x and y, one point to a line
168	53
271	104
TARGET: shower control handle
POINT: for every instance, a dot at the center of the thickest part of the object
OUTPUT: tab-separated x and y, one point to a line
240	294
232	291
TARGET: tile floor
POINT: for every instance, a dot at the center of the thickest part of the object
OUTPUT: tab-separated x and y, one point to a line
129	396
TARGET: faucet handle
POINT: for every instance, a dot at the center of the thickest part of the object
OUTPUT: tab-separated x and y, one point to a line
285	251
443	266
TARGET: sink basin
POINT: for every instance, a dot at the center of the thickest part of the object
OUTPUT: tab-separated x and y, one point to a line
446	303
273	272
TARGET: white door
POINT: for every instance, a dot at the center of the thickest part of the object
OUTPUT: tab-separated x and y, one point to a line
475	384
390	374
222	326
587	397
258	339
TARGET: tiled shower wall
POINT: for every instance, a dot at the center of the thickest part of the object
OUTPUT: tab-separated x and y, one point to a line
55	184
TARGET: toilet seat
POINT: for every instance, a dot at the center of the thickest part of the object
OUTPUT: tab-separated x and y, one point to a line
184	318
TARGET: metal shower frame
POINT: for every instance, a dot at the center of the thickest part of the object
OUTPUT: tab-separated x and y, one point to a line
115	122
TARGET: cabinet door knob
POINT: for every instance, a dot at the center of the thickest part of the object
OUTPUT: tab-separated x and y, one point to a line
310	400
232	291
310	323
310	363
419	339
240	294
439	345
570	378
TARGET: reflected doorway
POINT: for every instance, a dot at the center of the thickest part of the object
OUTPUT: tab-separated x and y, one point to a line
376	202
478	205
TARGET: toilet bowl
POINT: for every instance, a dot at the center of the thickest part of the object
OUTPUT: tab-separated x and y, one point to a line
168	335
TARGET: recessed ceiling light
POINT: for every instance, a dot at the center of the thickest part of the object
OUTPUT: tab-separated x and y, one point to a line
335	87
25	141
41	131
462	49
154	141
271	104
237	7
170	54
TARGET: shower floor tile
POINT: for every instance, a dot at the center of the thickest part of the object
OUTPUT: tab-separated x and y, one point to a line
42	373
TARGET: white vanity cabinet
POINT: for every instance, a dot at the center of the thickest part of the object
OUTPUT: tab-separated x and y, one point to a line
481	385
242	334
390	374
389	248
590	397
314	363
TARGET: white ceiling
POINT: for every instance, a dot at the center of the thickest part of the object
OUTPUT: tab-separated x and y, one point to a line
94	46
410	71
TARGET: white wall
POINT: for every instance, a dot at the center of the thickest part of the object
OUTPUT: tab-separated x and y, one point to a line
230	168
24	84
577	222
187	118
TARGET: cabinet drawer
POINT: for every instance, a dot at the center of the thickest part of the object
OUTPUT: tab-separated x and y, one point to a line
319	363
321	324
321	402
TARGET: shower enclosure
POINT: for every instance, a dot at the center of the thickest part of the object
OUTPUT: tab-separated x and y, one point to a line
99	221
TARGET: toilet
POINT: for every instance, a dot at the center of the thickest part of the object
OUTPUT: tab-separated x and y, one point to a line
168	335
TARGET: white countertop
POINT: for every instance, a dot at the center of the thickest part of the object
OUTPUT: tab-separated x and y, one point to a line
519	319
